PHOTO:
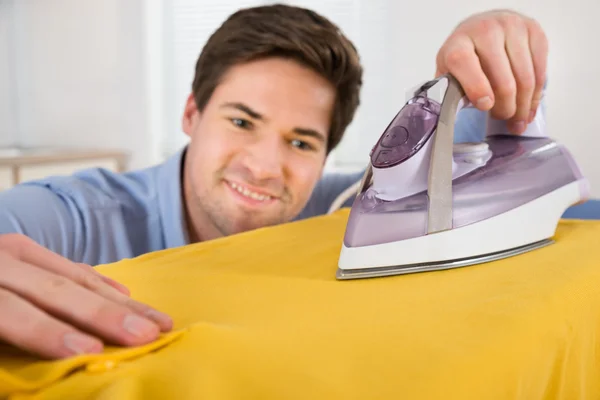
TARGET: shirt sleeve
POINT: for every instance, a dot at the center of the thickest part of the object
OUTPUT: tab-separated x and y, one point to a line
470	125
326	192
45	216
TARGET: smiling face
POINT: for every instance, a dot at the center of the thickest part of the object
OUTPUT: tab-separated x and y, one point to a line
257	149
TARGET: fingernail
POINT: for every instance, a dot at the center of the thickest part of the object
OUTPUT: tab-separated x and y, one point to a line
139	326
532	115
163	319
81	344
518	127
484	103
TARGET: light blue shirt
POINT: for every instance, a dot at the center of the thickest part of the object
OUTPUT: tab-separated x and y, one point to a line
96	216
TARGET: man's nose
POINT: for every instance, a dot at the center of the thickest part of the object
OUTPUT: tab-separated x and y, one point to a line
264	158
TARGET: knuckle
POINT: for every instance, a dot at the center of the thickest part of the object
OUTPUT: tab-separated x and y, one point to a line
439	59
543	40
520	114
510	19
503	113
537	96
136	306
504	109
109	309
526	82
534	106
535	28
14	243
456	57
487	27
84	266
10	239
104	313
54	284
5	257
90	281
540	80
36	329
506	89
30	327
537	35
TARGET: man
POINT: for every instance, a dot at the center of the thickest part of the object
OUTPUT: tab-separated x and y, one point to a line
274	90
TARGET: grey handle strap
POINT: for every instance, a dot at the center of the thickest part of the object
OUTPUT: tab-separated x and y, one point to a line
439	186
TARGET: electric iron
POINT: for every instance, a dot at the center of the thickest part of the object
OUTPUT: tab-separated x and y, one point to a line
428	204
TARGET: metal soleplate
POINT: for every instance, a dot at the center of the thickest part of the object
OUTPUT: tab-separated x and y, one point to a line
442	265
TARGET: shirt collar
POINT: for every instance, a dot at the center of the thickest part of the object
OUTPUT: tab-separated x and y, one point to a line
170	201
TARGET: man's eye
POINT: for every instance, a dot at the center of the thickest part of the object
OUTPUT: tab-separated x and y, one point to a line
301	145
241	123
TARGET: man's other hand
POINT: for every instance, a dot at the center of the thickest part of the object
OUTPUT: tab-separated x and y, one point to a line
55	308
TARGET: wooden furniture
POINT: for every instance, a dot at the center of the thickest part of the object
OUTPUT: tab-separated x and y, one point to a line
23	164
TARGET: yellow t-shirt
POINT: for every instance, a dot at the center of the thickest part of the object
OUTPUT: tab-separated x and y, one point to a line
261	316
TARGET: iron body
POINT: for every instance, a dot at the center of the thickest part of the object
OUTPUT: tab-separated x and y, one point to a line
426	203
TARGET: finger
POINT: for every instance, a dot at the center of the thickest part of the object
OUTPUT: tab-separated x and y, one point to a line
76	305
26	327
90	282
458	58
538	44
30	252
27	250
164	322
120	287
490	46
517	48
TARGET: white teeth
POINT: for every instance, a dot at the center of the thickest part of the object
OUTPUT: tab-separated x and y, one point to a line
249	193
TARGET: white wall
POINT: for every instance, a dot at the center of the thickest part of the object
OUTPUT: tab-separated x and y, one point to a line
8	122
102	72
81	75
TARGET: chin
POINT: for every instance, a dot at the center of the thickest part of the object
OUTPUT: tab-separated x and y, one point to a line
239	220
235	227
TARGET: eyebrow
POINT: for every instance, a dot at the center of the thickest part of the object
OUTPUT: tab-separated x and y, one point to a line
301	131
244	108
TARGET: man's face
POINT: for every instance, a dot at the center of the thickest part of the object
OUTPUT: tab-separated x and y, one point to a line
257	149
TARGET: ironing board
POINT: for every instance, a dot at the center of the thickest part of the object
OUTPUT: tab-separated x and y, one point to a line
261	316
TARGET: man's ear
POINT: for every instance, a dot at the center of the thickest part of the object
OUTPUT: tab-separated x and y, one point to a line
190	115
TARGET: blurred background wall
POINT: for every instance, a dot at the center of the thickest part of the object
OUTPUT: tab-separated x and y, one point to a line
115	74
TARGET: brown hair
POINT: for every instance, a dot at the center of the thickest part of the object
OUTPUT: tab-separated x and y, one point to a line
284	31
